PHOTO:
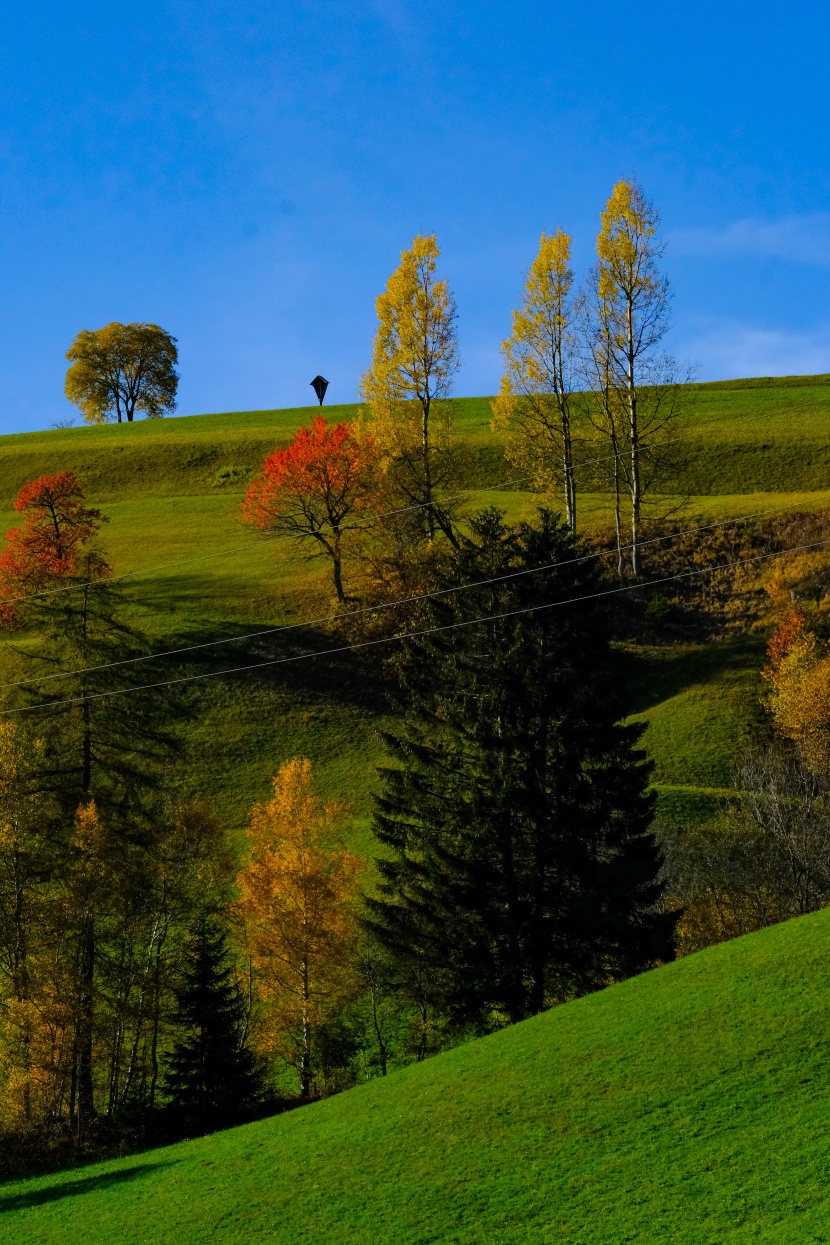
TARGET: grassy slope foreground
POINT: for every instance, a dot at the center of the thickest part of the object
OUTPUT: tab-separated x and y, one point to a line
688	1105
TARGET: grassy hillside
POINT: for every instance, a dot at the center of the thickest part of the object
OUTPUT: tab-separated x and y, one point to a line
688	1105
171	490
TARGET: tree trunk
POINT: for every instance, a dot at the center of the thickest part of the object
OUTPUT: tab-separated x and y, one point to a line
568	470
305	1054
512	980
617	507
84	1024
337	567
376	1025
430	517
20	960
86	741
542	833
634	435
154	1041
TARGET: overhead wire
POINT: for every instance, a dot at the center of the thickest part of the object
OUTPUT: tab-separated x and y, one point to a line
427	631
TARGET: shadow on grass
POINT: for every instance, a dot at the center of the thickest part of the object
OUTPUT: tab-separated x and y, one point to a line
72	1188
299	660
656	675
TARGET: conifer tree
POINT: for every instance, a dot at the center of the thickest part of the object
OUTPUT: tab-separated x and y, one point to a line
520	868
212	1077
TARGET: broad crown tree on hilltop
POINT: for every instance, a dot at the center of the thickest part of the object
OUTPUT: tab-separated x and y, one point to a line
121	369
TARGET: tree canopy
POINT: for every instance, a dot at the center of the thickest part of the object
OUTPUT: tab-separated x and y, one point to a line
50	544
414	362
519	865
535	395
120	369
315	489
297	895
212	1076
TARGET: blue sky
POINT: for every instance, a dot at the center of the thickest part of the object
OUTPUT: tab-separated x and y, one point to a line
246	174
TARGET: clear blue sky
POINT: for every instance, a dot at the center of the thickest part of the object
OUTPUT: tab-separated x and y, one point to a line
246	174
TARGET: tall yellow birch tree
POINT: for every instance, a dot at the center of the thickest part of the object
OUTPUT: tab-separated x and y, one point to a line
535	396
414	362
631	315
298	899
606	413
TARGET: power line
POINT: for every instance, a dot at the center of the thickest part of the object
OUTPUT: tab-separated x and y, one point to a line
408	635
385	605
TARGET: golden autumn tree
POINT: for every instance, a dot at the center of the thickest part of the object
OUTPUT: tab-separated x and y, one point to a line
298	898
408	385
628	310
798	673
536	393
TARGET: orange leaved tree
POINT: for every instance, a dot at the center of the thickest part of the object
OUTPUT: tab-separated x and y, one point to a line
298	897
799	676
314	490
51	544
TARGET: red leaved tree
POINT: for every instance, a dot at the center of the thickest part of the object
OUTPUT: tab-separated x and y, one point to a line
315	490
51	544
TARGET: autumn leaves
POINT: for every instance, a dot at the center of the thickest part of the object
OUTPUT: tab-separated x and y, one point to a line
379	492
585	395
316	490
298	900
53	543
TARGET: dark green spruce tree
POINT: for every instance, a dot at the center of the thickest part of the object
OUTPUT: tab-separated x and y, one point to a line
212	1077
520	867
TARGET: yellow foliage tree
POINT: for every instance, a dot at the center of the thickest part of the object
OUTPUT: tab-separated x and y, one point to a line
297	895
414	361
799	676
535	395
629	307
120	369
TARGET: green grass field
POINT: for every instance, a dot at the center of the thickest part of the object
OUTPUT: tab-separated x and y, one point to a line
172	488
688	1105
